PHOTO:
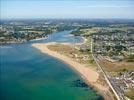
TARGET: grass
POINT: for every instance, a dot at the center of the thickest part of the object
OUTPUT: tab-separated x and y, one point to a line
117	66
70	51
130	94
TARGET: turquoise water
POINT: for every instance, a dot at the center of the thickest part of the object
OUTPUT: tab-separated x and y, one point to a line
27	74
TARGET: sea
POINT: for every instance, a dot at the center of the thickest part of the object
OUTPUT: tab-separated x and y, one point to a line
28	74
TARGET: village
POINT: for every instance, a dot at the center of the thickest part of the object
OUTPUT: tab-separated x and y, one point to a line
114	52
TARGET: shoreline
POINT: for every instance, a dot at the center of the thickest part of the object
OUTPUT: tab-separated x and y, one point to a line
21	42
37	39
86	73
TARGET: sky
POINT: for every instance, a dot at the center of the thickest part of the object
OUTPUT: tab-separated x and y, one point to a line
11	9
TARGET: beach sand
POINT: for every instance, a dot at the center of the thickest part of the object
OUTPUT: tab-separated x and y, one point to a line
89	75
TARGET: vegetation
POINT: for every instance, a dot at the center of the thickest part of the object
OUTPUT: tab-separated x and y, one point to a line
77	32
130	94
107	33
129	58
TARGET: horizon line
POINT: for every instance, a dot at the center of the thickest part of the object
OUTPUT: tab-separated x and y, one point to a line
65	18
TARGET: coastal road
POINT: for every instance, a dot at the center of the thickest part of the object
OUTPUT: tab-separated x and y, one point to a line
118	96
111	79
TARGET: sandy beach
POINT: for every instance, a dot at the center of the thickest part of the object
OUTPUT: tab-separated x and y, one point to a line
86	73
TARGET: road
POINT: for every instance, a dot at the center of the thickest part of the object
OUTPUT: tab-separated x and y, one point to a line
110	82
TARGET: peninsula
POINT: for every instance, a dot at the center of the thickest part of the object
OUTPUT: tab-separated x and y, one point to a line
89	75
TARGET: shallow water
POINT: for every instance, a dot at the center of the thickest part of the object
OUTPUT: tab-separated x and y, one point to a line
63	36
28	74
